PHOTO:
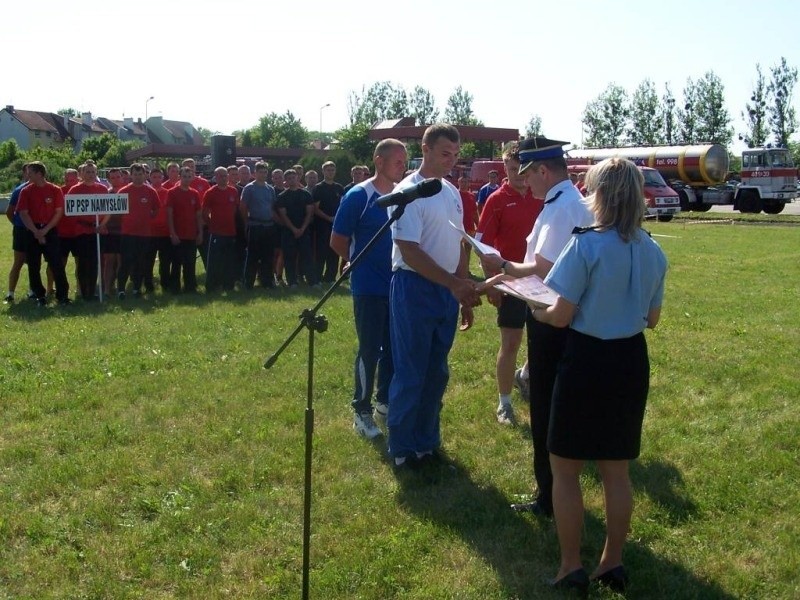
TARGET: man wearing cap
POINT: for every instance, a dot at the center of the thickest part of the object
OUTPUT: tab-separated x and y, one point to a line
430	280
542	162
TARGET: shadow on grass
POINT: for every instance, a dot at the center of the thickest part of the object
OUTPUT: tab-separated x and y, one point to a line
28	310
521	549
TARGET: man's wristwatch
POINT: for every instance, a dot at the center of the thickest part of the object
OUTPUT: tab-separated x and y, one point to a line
503	266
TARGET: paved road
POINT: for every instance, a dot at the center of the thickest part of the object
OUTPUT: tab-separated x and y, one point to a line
792	208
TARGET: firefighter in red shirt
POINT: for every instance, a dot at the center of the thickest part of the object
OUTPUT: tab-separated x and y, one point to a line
41	207
143	205
185	223
220	207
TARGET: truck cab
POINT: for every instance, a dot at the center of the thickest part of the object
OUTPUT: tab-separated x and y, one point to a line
769	181
662	201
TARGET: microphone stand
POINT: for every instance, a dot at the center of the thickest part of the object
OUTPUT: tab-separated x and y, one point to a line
315	323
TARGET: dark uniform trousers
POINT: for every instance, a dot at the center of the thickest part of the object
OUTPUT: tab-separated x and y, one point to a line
545	348
51	250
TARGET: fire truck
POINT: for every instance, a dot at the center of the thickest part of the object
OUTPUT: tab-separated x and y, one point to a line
698	174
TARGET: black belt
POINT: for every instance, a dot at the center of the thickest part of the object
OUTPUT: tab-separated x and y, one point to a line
257	224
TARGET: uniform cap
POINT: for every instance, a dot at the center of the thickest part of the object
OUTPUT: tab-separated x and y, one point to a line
535	149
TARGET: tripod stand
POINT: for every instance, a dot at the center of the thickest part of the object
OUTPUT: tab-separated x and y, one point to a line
316	323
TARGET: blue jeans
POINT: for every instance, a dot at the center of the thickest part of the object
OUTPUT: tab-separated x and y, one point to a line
374	351
423	317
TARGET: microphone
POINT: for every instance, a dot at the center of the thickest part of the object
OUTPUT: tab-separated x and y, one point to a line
424	189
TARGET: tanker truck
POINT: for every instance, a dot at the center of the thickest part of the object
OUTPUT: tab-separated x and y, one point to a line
698	174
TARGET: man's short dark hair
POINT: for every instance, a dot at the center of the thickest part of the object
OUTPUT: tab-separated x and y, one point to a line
440	130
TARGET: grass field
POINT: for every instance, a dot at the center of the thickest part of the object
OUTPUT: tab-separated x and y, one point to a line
145	453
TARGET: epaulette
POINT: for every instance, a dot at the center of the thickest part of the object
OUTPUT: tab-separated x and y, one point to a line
579	230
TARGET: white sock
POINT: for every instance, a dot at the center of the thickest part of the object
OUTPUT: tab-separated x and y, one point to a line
525	374
505	399
10	294
399	460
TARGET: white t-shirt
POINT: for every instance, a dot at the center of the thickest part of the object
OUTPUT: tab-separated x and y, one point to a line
553	227
426	221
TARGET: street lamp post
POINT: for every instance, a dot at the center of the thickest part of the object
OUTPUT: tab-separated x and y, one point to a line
321	108
670	108
146	136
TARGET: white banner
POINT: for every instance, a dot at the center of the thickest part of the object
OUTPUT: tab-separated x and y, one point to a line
95	204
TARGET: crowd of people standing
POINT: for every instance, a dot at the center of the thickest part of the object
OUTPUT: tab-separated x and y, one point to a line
271	226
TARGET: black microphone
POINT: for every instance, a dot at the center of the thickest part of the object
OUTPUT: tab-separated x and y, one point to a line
424	189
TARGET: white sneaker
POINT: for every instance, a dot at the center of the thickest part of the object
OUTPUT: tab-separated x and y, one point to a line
381	409
505	414
365	425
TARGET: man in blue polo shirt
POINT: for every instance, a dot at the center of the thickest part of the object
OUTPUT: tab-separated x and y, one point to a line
18	239
356	223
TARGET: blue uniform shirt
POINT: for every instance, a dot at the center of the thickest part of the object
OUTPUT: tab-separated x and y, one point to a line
359	219
17	220
614	283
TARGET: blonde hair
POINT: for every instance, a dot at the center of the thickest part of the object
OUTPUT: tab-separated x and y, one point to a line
616	188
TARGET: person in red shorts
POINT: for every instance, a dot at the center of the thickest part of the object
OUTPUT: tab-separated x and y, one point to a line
159	244
67	229
111	235
143	205
506	221
86	240
470	207
41	207
185	222
220	207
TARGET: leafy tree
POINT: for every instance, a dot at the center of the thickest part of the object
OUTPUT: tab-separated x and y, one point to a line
68	112
206	134
646	121
605	117
755	114
713	120
355	140
534	127
782	116
381	101
97	147
422	106
687	117
459	108
668	116
115	156
278	131
9	152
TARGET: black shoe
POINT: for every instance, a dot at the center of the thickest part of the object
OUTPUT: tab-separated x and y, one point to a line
9	299
41	301
536	507
64	302
577	581
614	579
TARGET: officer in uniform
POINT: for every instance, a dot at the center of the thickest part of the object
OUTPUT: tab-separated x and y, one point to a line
542	161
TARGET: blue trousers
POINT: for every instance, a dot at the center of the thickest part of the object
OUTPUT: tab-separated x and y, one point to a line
423	317
374	351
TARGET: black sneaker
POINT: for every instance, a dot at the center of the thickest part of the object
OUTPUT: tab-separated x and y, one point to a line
65	302
9	299
121	295
41	301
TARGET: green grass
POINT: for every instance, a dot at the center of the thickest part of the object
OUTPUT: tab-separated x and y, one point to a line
145	453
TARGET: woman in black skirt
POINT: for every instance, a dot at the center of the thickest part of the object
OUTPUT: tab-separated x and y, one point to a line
610	281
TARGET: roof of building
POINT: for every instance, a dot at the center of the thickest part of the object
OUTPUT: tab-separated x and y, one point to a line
41	121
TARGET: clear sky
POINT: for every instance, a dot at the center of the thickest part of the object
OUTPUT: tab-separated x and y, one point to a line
222	65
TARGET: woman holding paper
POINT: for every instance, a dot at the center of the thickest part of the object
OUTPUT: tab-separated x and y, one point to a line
610	284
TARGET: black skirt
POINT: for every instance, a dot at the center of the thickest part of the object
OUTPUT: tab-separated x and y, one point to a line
599	398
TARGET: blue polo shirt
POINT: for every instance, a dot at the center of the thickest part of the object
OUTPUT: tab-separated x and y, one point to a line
359	219
613	282
16	219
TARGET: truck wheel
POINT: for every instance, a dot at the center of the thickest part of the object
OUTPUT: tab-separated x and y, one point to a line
701	207
664	218
750	202
773	207
684	198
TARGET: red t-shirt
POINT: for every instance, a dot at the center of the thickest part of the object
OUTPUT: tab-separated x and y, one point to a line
67	227
219	210
142	205
169	184
507	219
41	202
470	210
158	224
84	225
200	184
185	205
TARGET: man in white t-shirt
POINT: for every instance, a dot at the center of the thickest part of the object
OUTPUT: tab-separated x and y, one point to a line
430	280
